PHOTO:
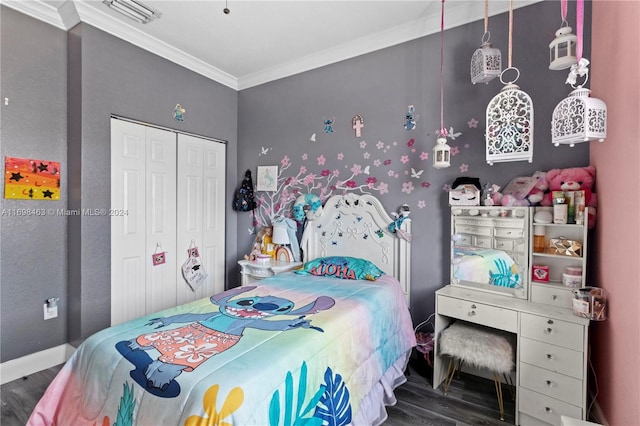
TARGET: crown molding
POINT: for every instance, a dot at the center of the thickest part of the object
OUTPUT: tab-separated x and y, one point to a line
117	28
70	13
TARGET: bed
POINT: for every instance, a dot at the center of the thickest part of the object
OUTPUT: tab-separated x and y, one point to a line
297	348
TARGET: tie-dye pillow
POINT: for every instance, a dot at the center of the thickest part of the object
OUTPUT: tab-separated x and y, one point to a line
344	267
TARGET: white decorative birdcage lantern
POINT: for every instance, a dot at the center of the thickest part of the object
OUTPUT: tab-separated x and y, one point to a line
579	118
562	50
441	153
486	63
509	134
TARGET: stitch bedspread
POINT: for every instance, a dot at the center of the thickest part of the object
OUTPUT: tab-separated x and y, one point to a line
289	350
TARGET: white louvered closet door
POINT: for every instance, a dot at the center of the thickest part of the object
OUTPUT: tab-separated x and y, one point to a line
201	212
143	184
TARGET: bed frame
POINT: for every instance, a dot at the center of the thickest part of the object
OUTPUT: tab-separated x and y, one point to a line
356	225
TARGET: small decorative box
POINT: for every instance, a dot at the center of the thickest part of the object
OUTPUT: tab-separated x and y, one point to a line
540	273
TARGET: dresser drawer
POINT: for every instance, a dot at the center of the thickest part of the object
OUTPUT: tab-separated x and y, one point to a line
555	385
464	240
490	316
472	229
553	331
552	357
551	295
480	241
544	408
508	232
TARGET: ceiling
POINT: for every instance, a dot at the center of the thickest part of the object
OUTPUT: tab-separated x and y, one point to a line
262	40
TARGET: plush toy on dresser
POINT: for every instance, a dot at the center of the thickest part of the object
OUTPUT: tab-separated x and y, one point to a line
574	179
523	191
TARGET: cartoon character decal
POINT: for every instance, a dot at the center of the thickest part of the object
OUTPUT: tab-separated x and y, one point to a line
207	334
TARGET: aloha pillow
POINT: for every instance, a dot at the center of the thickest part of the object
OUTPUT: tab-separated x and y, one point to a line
348	268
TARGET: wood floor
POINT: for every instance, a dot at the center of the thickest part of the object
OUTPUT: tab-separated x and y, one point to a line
470	400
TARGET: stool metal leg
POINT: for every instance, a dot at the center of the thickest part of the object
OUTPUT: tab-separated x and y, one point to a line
512	387
496	380
451	371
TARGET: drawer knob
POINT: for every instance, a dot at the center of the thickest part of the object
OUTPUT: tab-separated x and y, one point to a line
548	382
472	313
549	330
550	321
549	356
554	297
548	409
473	306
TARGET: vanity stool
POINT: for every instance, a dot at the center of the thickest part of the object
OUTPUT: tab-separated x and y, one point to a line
481	347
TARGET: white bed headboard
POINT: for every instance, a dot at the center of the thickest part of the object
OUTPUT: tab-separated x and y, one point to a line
356	225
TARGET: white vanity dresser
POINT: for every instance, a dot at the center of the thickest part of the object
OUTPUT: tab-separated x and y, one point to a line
552	343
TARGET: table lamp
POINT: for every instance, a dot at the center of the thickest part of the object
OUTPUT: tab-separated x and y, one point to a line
280	237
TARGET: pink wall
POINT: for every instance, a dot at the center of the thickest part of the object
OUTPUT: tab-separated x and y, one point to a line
615	79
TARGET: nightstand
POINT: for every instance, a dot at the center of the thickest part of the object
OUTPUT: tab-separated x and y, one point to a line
253	271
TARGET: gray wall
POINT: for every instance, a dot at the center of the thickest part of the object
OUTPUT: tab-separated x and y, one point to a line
33	250
282	115
99	75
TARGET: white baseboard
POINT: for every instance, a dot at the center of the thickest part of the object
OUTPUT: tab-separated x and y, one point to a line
29	364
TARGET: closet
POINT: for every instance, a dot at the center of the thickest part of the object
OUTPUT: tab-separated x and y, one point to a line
169	189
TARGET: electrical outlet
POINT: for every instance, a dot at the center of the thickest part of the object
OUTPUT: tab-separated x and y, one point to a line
50	312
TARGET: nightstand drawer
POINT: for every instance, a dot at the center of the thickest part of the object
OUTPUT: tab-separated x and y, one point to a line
544	408
490	316
552	357
547	382
551	295
553	331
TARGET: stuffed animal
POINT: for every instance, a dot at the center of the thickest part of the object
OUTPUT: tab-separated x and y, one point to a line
574	179
523	191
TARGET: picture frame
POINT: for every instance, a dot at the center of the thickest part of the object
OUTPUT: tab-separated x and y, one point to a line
267	178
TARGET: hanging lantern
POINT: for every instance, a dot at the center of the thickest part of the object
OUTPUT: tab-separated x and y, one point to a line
579	117
509	134
562	50
486	62
441	153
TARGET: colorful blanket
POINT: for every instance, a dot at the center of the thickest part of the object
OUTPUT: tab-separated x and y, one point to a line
289	350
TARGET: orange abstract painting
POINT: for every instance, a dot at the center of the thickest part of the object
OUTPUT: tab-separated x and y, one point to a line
29	179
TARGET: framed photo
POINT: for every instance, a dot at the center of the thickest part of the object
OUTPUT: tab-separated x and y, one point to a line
267	178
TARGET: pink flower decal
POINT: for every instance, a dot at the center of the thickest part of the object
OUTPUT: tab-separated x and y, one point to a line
380	145
371	181
336	172
363	144
407	187
340	156
383	188
325	173
387	162
464	168
390	173
356	169
309	179
421	204
321	160
303	169
455	151
350	184
425	184
446	187
366	155
404	159
424	155
304	157
473	123
377	162
411	142
285	161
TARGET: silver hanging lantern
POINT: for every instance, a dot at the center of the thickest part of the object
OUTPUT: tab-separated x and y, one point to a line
562	50
486	62
579	117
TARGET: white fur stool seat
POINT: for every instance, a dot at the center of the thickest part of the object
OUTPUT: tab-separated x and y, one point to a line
481	347
478	346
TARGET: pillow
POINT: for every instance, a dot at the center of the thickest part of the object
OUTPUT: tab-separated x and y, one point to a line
348	268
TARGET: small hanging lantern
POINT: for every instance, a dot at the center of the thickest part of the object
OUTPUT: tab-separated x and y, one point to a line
509	115
441	153
579	117
562	50
486	62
